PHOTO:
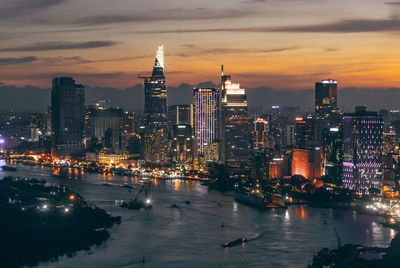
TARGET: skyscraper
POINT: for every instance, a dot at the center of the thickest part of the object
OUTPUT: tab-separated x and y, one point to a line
155	110
260	133
363	152
67	106
36	124
182	143
101	119
307	162
206	115
235	123
325	98
181	114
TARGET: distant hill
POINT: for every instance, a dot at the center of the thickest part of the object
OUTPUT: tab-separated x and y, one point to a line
30	98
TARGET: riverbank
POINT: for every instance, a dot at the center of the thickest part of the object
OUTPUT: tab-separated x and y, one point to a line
41	223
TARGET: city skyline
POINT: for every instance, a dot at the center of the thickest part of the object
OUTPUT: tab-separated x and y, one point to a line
281	45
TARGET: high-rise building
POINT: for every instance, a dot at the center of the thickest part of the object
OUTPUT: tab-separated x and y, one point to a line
307	162
235	124
260	133
289	135
183	147
325	98
304	131
363	152
36	124
332	150
181	114
206	116
100	120
67	106
155	110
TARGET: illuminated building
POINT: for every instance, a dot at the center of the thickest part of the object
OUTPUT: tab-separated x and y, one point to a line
104	124
235	123
206	116
212	152
67	106
307	162
129	123
303	131
260	133
325	98
106	158
390	142
276	125
155	110
278	167
183	144
181	114
36	125
363	152
332	146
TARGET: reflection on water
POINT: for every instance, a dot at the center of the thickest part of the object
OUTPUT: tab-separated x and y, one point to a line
299	211
191	234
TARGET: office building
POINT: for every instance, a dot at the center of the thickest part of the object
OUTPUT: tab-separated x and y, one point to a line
67	110
104	125
325	98
206	116
155	110
260	133
363	152
235	123
36	126
307	162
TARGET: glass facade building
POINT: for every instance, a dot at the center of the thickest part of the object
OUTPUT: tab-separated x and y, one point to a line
362	152
155	110
206	116
325	98
68	110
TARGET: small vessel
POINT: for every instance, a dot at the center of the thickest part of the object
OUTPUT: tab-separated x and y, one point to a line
9	168
258	199
107	184
236	242
138	203
128	186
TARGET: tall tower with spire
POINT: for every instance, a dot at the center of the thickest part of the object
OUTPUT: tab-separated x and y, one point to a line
155	109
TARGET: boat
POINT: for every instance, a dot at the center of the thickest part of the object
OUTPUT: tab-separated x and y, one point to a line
9	168
260	200
128	186
236	242
138	203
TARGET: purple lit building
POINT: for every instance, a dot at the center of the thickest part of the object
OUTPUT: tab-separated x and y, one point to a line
207	116
362	152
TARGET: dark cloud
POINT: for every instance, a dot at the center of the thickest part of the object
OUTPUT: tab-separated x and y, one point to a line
238	50
177	14
392	3
8	61
79	76
65	60
16	8
345	26
44	46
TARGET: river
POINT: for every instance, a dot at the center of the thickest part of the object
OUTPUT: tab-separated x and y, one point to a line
190	235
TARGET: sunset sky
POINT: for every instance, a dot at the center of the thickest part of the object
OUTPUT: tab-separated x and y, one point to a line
282	44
